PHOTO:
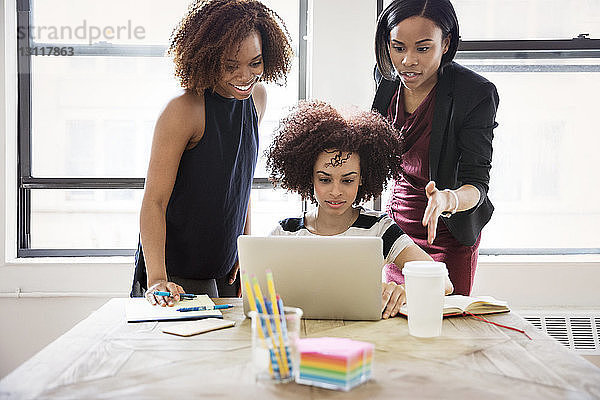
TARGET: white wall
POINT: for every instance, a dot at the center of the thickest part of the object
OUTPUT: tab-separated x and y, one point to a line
342	55
55	296
541	281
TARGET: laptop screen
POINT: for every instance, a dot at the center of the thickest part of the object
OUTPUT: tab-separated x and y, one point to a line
328	277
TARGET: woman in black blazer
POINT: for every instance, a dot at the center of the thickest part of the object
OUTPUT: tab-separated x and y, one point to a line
446	116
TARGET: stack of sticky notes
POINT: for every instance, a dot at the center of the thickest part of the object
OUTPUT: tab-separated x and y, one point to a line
334	363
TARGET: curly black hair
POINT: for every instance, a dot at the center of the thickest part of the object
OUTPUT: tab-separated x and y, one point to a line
315	126
211	30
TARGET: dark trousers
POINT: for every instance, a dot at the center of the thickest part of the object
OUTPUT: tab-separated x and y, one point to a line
212	287
219	287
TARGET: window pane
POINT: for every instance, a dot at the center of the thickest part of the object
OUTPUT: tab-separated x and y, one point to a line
269	206
138	22
526	19
105	219
97	114
280	98
543	180
85	219
94	116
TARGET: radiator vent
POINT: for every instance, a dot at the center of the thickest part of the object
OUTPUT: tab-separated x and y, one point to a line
579	331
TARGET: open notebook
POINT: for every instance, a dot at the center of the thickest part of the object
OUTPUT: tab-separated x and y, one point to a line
139	310
458	305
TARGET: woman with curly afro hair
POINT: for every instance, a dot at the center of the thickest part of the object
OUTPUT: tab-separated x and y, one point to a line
205	147
338	162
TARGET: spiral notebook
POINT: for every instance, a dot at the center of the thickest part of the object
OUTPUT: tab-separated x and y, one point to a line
139	310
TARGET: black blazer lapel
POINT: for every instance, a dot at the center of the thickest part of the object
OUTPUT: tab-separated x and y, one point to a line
444	104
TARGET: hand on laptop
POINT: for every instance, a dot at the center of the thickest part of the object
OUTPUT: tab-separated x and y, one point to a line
392	298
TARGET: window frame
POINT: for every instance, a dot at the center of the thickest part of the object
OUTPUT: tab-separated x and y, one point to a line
579	47
26	182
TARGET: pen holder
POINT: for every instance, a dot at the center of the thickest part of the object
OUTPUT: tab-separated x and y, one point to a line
274	345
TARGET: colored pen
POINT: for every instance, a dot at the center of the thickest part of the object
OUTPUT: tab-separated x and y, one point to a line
270	311
260	327
204	308
275	312
269	307
181	295
282	315
284	330
274	366
260	302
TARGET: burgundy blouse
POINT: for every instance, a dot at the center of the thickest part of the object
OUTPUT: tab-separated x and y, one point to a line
409	201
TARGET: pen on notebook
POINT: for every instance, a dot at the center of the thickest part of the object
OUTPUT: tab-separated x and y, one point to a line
181	295
204	308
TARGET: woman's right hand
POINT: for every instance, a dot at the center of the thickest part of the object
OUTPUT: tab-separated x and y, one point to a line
163	286
393	296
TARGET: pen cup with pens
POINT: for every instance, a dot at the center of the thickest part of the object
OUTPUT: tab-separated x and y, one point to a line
274	344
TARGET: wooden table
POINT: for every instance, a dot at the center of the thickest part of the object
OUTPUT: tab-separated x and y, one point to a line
105	357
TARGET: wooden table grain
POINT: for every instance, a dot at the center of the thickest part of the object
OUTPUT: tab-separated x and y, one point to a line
104	357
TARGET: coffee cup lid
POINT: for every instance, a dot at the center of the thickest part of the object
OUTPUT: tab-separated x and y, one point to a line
424	268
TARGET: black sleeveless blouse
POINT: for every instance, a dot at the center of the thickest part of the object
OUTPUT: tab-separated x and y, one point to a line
207	209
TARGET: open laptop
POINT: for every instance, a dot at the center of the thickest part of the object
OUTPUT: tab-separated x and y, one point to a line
327	277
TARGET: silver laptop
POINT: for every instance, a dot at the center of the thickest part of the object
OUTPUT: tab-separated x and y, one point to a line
327	277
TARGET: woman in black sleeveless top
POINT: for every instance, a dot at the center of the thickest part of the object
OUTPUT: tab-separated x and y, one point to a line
205	146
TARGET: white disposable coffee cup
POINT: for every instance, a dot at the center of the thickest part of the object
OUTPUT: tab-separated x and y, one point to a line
425	282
